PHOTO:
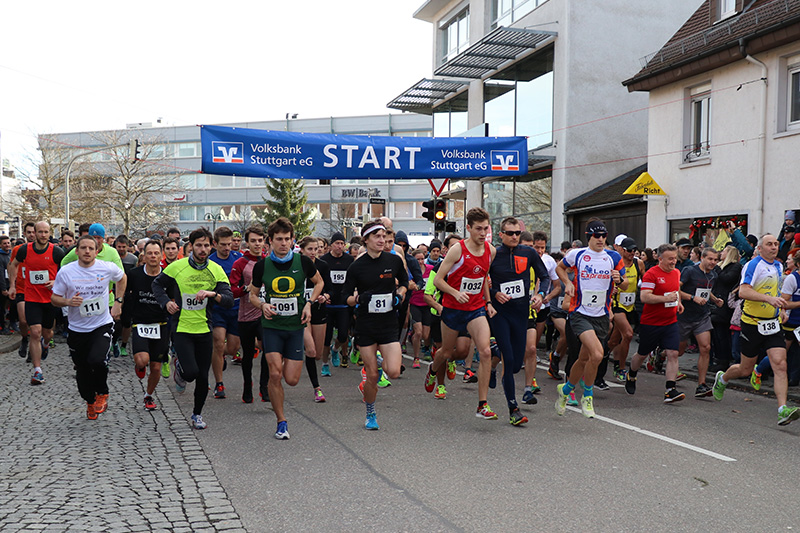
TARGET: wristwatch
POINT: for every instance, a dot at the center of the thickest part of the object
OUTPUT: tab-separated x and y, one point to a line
118	300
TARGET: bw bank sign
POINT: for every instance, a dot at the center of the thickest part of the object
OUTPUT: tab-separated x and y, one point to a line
281	154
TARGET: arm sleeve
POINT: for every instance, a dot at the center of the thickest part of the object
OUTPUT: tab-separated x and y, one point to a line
569	259
22	253
258	273
236	277
350	281
116	273
60	285
789	285
402	274
308	267
226	296
741	243
163	285
324	271
58	255
648	283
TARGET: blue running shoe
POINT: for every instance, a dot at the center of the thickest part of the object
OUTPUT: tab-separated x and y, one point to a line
45	349
326	371
372	422
282	433
335	358
198	423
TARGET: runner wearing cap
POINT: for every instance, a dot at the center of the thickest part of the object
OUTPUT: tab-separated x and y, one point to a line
684	250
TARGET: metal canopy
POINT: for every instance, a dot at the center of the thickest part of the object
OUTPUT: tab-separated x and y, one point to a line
490	53
421	96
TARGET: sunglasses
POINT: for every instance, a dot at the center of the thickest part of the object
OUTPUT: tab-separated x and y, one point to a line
513	233
597	235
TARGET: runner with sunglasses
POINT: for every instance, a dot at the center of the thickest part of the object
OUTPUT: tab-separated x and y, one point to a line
597	272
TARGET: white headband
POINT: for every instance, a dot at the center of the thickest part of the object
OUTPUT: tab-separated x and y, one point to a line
376	227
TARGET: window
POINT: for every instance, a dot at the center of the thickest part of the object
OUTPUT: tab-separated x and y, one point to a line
699	123
403	210
528	198
450	118
455	35
727	8
504	12
185	150
794	96
724	9
186	214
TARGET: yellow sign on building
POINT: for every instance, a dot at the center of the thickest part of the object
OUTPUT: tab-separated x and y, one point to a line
645	184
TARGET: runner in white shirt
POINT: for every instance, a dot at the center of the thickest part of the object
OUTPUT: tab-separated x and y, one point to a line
82	287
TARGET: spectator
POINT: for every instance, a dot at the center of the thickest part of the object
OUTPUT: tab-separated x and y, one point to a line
649	259
789	232
684	250
730	271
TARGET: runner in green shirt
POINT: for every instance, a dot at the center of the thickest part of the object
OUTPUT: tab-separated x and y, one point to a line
193	281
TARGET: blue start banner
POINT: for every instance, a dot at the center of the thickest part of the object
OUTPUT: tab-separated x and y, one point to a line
282	154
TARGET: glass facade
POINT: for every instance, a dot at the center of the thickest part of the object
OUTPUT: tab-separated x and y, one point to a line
455	35
505	12
450	118
527	198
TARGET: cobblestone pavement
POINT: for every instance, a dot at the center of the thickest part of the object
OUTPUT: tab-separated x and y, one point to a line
130	470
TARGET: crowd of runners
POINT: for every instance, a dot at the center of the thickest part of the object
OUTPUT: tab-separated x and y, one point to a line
182	306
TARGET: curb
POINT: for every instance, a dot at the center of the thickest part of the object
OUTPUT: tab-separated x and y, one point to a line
9	343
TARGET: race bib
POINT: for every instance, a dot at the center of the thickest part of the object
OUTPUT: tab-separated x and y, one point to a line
673	303
307	293
284	306
513	289
149	331
703	293
560	302
337	276
39	277
769	327
627	298
797	334
380	303
94	307
471	285
189	302
593	299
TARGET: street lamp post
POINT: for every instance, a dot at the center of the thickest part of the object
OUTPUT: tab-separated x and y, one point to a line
213	218
69	170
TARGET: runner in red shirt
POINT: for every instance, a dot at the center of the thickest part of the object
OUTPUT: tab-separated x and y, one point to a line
658	326
462	278
19	300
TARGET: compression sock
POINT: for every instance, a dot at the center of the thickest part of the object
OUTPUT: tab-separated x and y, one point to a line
633	373
371	408
567	388
588	391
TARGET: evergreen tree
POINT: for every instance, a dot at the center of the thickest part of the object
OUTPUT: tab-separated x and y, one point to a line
287	198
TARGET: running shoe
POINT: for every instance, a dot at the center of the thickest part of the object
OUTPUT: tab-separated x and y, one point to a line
23	347
572	401
630	384
282	433
45	349
318	396
326	371
587	406
486	413
469	376
101	403
247	394
180	383
219	391
115	349
755	380
553	371
123	350
601	384
140	372
673	395
681	376
198	422
620	375
529	398
561	402
383	381
51	344
150	403
91	414
430	381
224	363
236	359
415	364
335	358
719	388
361	390
535	388
451	370
440	393
703	391
517	418
165	368
787	414
493	379
372	422
37	378
355	355
343	362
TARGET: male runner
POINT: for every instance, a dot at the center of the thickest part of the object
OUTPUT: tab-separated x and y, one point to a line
624	308
597	272
280	278
171	251
41	260
19	299
658	327
82	286
150	342
510	273
193	281
5	259
376	284
339	313
236	242
122	330
466	303
225	322
762	315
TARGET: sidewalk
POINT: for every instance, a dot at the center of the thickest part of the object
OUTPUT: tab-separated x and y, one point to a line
130	470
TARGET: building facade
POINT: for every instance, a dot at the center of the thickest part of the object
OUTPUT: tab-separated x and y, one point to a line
724	134
548	70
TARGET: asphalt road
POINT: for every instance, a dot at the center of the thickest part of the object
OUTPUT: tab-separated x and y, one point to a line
433	466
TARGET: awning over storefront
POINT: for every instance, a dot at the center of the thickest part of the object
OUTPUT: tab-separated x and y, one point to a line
420	97
497	48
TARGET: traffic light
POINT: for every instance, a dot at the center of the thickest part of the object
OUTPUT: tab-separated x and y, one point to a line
440	215
133	154
429	213
450	227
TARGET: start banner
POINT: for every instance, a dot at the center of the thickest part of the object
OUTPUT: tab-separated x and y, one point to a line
282	154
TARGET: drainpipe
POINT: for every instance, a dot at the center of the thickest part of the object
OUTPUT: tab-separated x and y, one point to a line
758	224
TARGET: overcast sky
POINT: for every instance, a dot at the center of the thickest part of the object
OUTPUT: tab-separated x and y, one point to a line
90	65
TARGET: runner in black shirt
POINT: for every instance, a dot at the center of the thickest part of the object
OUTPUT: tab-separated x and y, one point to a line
377	283
339	313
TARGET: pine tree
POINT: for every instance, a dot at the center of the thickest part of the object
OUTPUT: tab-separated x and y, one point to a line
287	198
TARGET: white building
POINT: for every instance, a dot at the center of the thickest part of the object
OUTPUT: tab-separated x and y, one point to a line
10	197
724	133
549	70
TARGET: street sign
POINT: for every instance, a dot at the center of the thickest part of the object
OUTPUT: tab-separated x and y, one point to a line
437	184
377	201
645	184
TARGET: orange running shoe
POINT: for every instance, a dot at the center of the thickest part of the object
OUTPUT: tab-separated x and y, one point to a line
91	414
101	403
451	370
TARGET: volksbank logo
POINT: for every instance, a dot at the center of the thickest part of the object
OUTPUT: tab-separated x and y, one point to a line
224	152
504	159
